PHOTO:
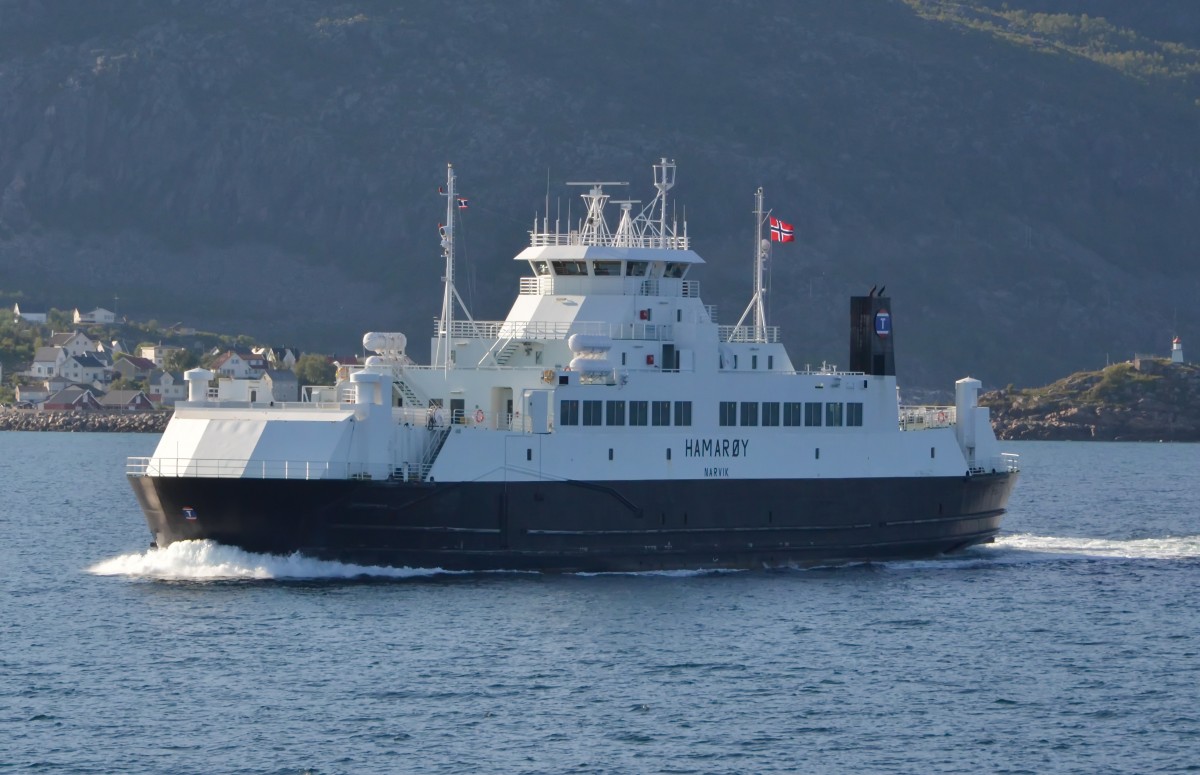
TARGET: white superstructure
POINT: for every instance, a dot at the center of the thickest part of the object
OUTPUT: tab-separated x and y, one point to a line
608	367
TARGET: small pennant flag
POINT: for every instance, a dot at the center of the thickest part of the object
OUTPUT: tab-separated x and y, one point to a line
462	203
782	232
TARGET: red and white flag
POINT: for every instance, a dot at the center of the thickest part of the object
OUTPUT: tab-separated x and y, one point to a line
782	232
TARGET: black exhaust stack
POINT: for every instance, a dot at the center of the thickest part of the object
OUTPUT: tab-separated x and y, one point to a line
871	341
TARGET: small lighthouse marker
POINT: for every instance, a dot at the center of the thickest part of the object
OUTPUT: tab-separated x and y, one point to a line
1176	350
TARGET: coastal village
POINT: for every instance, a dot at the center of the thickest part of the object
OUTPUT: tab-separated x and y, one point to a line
92	368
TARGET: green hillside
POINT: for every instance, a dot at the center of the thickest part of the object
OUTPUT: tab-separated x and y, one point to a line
1023	176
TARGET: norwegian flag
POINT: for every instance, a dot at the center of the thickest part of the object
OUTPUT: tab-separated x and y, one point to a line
782	232
462	203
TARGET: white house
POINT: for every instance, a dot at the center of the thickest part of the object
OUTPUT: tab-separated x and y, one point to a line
47	362
167	387
98	315
74	343
28	317
84	369
158	353
239	365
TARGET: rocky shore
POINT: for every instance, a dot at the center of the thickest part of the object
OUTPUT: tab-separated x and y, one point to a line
25	420
1145	400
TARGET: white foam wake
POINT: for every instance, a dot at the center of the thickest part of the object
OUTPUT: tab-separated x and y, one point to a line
1173	548
210	561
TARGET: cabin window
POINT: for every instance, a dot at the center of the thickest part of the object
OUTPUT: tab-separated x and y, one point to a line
615	413
770	413
569	268
636	268
754	361
770	362
675	269
660	412
591	412
792	416
638	412
854	414
683	412
728	412
735	360
568	412
749	413
833	415
812	413
606	268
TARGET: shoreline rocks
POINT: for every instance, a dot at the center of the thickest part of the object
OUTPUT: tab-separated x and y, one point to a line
84	422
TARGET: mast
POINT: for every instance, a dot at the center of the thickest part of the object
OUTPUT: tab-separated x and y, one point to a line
757	303
442	354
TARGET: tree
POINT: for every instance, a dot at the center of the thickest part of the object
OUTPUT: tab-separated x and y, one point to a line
181	360
314	369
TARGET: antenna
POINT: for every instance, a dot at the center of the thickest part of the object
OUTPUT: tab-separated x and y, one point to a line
762	248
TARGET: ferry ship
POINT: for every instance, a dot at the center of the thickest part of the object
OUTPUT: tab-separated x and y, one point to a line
608	423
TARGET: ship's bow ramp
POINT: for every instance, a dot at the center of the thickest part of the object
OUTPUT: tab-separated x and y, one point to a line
255	443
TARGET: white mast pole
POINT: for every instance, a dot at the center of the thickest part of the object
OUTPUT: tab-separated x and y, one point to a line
760	318
449	293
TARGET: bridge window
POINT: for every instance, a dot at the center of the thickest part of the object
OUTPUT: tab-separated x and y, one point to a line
637	268
568	413
728	410
660	412
683	412
638	411
615	411
606	268
812	413
591	412
749	413
770	413
791	414
833	415
854	414
675	269
540	267
569	267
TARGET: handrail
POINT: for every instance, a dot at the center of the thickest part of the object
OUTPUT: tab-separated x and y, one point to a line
920	418
548	329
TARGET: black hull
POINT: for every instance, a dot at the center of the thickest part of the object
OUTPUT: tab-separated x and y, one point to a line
582	526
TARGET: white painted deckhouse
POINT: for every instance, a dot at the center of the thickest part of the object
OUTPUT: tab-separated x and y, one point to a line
609	422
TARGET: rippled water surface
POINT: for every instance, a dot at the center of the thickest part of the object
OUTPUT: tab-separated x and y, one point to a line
1071	645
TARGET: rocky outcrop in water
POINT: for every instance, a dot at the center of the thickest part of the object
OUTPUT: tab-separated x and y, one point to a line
142	422
1152	401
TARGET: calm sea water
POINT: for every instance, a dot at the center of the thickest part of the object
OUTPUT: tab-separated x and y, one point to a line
1071	645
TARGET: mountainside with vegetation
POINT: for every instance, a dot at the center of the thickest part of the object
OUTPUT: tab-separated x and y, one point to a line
1142	400
1024	177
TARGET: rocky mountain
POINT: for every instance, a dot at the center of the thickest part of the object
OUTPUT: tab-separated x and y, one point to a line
1023	176
1143	400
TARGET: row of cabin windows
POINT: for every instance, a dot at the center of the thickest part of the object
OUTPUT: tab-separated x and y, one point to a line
794	413
614	412
608	268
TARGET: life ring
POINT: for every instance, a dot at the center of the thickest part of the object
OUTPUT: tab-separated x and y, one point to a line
548	376
478	416
941	417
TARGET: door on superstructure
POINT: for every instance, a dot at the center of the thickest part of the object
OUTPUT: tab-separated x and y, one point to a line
457	408
502	408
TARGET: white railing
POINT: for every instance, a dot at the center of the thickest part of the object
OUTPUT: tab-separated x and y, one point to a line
748	333
545	329
711	309
672	287
919	418
242	469
538	239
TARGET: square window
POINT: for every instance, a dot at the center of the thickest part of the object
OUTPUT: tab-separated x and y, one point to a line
728	413
614	413
638	412
833	415
770	413
683	412
591	412
812	413
792	414
661	412
749	413
568	413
